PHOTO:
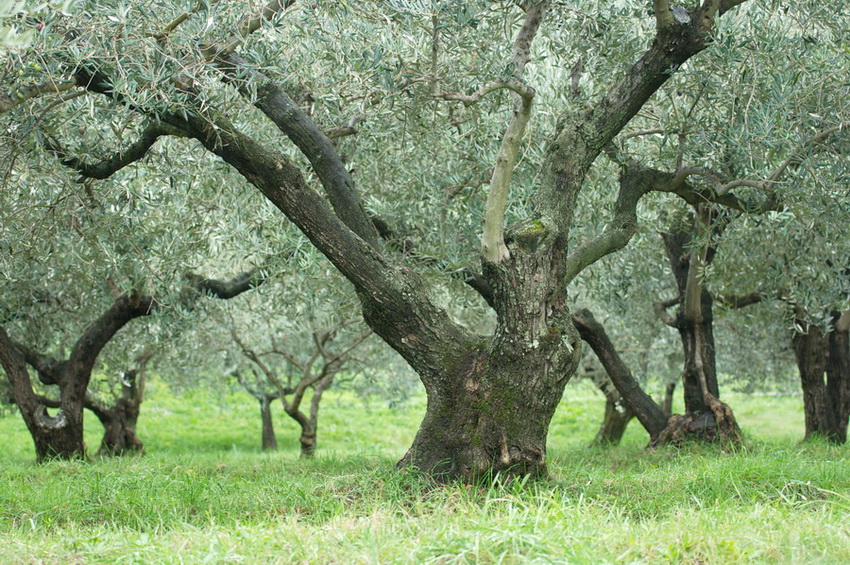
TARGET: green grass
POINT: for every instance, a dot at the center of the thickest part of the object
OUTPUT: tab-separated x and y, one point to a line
204	493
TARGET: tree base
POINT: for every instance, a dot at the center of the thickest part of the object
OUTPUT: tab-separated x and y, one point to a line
717	426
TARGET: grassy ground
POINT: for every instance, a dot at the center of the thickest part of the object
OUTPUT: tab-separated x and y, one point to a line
205	494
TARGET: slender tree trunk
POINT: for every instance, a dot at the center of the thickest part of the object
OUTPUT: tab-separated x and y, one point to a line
617	418
269	439
706	416
699	351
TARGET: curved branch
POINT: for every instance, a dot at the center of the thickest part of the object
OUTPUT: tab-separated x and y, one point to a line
662	313
634	183
226	289
108	167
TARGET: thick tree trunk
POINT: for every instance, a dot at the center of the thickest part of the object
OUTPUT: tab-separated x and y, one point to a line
838	373
491	416
823	361
269	440
54	436
490	400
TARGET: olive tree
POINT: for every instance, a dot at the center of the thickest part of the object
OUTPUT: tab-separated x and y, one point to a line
228	81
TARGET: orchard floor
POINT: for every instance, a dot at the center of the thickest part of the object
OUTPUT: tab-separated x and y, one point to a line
204	493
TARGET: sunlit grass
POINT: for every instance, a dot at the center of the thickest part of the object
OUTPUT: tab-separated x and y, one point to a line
204	493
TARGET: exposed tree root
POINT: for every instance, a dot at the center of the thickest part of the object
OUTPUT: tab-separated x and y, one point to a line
717	426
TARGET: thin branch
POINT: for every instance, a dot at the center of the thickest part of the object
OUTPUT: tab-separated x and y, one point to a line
21	95
270	375
343	355
516	86
435	55
493	248
166	31
741	300
244	28
641	133
795	158
342	131
662	313
226	289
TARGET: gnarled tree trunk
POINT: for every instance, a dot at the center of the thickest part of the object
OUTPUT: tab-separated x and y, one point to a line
490	399
823	360
706	416
61	436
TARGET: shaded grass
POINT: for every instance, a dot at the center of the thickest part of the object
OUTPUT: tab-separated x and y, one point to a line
205	494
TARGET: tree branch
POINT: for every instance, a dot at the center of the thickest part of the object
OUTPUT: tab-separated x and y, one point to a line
663	15
328	165
662	313
21	95
493	248
646	410
226	289
741	300
244	28
514	85
634	183
106	168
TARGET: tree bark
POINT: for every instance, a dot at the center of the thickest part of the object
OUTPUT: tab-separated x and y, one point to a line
638	402
706	416
823	361
269	440
615	422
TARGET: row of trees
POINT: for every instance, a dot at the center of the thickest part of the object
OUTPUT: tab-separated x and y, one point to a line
147	143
